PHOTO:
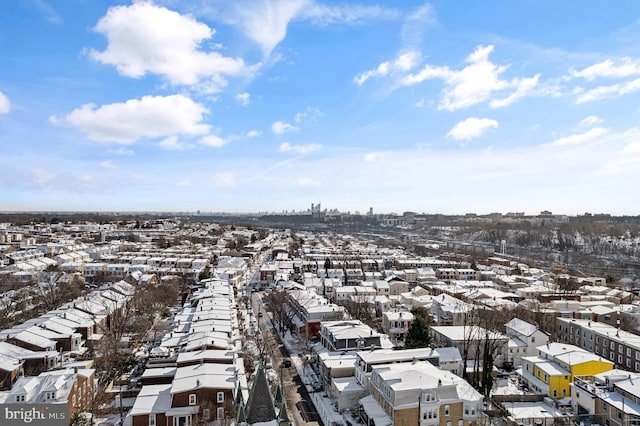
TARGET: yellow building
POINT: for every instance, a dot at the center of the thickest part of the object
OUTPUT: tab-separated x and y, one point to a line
552	371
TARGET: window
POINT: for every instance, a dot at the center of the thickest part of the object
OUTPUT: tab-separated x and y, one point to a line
220	413
205	413
533	339
19	398
152	420
73	401
628	351
446	410
612	345
460	423
220	397
192	399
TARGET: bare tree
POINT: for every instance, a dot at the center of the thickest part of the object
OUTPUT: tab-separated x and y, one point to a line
358	307
277	303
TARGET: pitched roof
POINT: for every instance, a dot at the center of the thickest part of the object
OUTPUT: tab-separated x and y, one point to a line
260	405
521	327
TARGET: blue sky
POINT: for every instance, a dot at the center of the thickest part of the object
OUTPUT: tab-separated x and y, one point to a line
244	106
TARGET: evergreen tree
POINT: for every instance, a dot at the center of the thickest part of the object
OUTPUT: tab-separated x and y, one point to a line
419	334
205	274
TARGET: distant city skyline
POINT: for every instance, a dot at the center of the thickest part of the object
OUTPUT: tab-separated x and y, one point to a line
247	106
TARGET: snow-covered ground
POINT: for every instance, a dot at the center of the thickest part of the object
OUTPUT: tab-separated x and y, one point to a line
506	386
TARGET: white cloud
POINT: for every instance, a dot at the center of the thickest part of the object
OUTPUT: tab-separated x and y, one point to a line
144	38
605	92
523	87
372	157
415	24
108	165
213	141
420	103
403	63
624	67
472	128
580	138
253	133
184	183
351	14
173	144
265	22
475	83
591	120
280	127
48	12
224	180
243	98
299	149
633	147
148	117
5	105
310	113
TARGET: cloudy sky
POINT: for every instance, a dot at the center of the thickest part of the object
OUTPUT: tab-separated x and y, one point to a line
240	106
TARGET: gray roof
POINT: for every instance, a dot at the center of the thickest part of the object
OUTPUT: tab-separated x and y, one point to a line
260	405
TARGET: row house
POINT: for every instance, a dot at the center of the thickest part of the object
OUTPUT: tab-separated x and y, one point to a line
31	362
396	325
72	388
367	360
310	310
610	398
198	384
397	285
611	343
524	339
419	393
552	370
470	340
348	335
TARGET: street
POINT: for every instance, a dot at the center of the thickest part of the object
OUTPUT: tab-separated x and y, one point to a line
301	409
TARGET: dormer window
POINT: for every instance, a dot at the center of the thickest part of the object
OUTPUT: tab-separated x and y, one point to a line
51	395
20	398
